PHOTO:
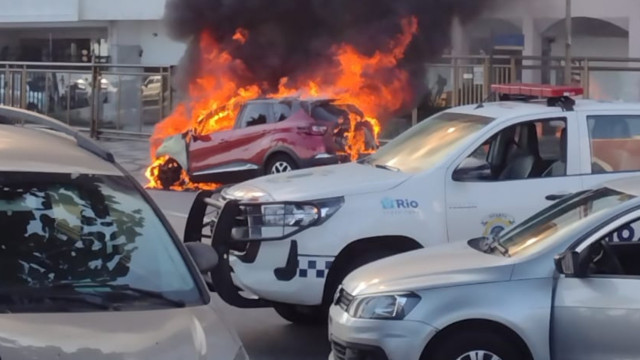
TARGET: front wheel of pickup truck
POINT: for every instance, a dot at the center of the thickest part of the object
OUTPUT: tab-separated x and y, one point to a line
301	315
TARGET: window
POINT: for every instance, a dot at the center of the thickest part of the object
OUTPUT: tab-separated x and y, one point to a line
615	143
69	229
544	227
255	114
617	253
528	150
281	111
427	143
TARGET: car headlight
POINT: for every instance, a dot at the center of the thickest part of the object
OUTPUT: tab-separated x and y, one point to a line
246	193
273	221
383	307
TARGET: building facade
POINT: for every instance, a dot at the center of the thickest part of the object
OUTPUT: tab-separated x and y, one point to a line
116	31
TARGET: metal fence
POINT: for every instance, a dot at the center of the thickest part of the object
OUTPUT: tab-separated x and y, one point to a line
104	99
467	80
126	101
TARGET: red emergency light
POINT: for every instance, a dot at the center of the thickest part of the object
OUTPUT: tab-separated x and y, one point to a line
537	90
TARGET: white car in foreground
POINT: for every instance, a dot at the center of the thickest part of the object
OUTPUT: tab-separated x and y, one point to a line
502	298
287	241
89	266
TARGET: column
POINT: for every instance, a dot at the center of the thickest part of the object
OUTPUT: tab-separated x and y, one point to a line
632	79
532	47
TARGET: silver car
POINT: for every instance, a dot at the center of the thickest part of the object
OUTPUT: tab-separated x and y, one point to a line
89	267
565	284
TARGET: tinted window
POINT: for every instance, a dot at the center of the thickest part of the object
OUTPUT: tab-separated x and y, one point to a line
255	114
615	143
72	229
528	150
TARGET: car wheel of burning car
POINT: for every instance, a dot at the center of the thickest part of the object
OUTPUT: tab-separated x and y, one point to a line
280	163
169	173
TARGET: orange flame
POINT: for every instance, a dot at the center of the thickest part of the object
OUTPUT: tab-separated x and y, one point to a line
241	36
215	96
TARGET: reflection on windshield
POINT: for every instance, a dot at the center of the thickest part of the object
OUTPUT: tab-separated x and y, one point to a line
74	229
563	215
425	144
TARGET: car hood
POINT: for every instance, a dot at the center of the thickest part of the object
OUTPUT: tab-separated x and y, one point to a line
438	266
318	183
190	333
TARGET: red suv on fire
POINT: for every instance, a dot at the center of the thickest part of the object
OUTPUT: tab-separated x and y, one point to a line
269	136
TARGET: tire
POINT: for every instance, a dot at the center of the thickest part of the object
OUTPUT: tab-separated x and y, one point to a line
280	163
301	315
169	174
464	344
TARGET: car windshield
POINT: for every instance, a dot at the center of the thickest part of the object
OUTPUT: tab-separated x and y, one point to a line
549	223
422	146
89	234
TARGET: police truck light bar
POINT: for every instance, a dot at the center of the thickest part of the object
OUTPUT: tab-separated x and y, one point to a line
537	90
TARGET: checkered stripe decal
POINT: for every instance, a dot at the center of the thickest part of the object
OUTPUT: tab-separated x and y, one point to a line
314	267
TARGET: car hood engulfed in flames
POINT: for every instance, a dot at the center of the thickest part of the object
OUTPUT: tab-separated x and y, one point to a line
372	83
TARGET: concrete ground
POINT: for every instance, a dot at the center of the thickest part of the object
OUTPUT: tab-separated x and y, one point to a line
265	335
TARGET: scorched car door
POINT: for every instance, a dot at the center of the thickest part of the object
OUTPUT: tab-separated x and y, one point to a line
519	169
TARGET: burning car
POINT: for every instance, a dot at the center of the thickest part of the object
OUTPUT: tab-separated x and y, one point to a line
269	136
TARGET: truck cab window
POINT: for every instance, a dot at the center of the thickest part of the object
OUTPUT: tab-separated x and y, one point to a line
528	150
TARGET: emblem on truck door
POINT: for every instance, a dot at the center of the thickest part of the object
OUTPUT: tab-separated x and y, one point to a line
496	223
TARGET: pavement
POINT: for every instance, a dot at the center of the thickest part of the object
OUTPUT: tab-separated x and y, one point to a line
265	335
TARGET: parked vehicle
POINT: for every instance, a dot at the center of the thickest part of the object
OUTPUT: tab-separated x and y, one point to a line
501	297
287	241
270	136
90	268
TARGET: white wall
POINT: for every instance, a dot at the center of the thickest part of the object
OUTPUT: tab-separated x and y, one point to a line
38	10
158	48
120	9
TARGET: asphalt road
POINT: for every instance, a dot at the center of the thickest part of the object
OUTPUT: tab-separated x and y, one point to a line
265	335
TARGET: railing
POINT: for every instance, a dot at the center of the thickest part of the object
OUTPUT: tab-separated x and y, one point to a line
126	101
111	101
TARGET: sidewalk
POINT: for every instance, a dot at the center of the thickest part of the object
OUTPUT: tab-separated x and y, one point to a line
133	155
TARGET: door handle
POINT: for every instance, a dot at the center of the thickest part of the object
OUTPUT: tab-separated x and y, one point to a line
556	197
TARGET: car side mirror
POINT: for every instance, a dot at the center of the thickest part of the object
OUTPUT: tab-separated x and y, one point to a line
472	169
568	264
205	257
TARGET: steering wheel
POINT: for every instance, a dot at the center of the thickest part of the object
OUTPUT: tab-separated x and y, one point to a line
611	264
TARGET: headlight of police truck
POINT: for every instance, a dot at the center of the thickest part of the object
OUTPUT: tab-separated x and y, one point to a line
275	221
383	307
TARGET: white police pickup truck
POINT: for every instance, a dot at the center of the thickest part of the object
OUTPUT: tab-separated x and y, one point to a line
287	241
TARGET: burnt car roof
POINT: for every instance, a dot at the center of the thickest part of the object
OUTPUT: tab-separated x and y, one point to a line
290	99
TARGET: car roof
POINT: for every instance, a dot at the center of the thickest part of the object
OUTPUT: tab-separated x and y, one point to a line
510	109
49	147
29	149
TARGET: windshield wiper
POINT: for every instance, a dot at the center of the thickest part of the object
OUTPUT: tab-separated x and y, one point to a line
492	243
122	289
38	293
387	167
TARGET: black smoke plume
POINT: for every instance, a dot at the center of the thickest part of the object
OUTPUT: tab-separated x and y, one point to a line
288	37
